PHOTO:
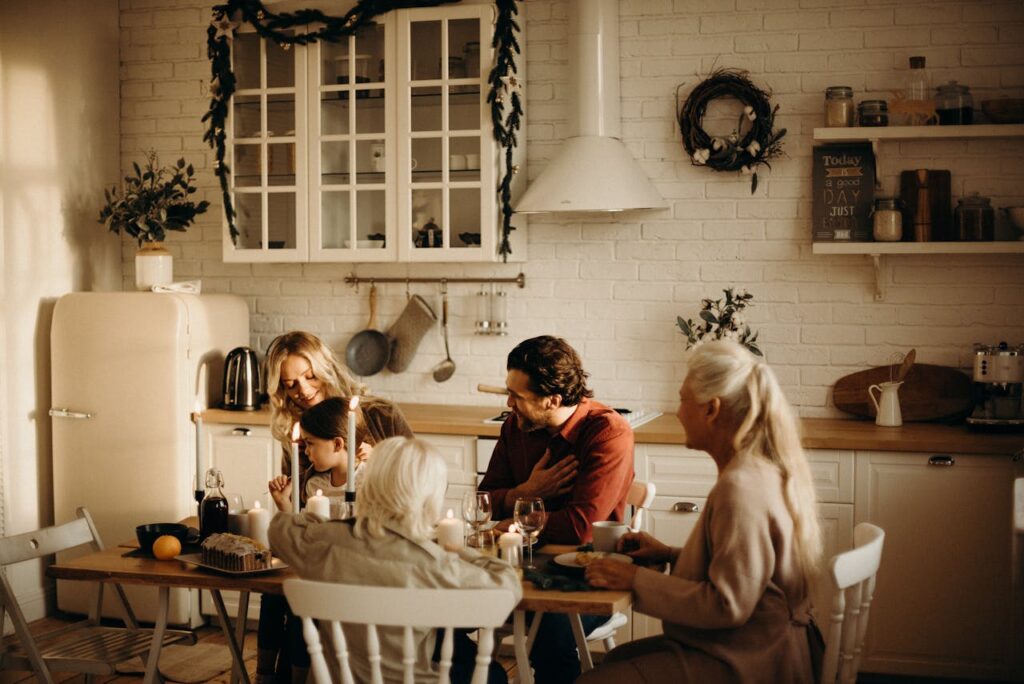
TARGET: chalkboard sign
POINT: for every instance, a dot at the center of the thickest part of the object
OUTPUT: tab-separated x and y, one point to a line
843	182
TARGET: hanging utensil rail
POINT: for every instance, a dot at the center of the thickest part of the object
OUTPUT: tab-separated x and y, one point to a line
354	280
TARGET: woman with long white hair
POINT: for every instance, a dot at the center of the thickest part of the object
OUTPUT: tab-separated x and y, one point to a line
388	544
735	607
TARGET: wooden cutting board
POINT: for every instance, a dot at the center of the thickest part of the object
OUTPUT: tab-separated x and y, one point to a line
929	393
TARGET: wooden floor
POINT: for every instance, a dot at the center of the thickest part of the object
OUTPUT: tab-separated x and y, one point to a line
206	635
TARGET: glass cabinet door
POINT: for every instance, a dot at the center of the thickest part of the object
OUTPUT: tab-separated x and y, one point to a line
351	155
447	200
267	157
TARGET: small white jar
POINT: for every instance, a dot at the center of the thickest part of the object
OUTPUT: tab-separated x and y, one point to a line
887	220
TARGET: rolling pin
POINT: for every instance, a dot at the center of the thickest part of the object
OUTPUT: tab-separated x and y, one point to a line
492	389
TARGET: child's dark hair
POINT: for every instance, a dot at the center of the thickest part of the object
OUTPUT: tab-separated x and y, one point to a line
328	419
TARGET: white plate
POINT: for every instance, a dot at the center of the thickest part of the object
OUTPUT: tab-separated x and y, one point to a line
197	559
568	560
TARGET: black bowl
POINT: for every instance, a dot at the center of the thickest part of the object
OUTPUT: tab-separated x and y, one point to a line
147	534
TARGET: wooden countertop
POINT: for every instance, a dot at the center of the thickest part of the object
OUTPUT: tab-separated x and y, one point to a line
819	433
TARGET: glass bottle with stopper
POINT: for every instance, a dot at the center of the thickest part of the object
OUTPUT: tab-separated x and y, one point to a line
214	510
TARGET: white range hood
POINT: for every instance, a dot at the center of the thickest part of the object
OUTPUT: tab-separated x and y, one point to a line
593	170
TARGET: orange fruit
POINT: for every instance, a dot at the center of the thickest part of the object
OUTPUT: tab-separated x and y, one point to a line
166	547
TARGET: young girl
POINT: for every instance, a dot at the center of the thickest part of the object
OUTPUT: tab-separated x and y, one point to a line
324	429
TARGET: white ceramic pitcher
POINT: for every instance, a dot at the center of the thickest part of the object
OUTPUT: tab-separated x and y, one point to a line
887	406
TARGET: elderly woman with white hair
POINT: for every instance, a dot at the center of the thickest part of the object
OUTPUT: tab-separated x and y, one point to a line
389	544
735	606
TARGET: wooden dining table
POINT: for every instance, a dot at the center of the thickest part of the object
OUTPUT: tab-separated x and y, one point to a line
120	565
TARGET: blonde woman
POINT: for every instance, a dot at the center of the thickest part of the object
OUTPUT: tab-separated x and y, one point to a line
735	607
302	372
389	544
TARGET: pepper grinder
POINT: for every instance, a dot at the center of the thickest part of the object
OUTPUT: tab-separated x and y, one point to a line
923	215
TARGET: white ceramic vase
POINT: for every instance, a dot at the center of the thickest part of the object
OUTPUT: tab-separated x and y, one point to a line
154	265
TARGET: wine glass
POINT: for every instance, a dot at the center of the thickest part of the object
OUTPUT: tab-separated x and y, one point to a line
530	517
476	510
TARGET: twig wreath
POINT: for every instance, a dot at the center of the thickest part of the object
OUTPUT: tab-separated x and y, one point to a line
278	27
751	144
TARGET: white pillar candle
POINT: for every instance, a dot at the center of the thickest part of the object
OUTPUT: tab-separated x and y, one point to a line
510	545
295	469
350	441
450	531
319	504
259	523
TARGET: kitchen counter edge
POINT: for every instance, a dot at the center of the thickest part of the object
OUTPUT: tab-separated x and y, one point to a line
818	433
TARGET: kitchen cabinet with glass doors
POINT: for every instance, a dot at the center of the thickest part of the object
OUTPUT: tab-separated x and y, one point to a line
377	148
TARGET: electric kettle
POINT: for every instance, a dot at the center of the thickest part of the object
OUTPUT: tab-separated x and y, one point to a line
242	389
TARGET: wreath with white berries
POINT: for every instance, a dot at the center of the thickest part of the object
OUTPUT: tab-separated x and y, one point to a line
751	144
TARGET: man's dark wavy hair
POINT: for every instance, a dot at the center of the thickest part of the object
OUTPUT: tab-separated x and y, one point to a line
553	367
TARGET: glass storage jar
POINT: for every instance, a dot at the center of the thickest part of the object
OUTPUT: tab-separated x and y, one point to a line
838	106
887	220
974	218
873	113
954	104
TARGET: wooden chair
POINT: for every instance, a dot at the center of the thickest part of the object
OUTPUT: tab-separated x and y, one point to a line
84	646
853	578
410	609
640	497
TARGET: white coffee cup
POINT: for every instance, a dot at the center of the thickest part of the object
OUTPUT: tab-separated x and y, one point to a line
607	533
457	162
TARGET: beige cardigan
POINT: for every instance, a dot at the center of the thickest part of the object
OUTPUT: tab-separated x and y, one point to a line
736	599
330	551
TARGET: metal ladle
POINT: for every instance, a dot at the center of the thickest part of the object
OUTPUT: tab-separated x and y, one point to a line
446	368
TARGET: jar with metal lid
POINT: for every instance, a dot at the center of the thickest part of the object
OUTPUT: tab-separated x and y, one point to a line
954	104
873	113
838	106
974	218
887	220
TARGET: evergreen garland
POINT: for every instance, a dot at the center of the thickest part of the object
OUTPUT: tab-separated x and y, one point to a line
277	26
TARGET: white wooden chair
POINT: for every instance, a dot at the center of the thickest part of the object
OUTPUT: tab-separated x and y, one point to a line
853	577
483	609
640	497
85	646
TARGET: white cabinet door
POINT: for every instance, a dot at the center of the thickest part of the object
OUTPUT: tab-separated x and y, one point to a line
248	457
943	598
459	453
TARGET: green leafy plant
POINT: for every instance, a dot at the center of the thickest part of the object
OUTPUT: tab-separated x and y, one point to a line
152	201
721	320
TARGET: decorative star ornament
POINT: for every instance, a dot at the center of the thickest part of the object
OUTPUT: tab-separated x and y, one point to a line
225	27
510	84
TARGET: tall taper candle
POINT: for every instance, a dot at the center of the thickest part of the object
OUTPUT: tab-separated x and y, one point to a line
295	468
199	450
350	440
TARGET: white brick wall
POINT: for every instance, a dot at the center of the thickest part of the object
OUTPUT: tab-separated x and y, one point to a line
614	285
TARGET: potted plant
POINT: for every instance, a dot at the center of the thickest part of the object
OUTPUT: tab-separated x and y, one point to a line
721	321
149	203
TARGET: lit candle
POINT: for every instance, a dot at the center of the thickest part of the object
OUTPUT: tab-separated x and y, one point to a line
450	531
259	522
319	504
295	468
510	544
199	448
350	440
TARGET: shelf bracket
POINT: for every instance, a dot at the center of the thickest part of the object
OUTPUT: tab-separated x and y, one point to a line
876	259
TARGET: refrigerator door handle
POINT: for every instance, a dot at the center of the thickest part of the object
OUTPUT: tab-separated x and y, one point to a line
68	413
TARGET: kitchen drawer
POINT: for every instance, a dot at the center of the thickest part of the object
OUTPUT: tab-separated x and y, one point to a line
678	471
459	453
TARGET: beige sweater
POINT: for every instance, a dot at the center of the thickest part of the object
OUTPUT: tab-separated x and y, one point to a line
331	552
736	599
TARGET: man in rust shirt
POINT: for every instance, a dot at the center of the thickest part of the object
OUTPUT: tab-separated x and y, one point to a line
569	450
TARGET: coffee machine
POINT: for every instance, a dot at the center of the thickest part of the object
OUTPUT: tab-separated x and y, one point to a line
998	381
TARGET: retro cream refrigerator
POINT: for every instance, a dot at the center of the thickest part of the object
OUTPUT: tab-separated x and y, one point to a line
128	369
